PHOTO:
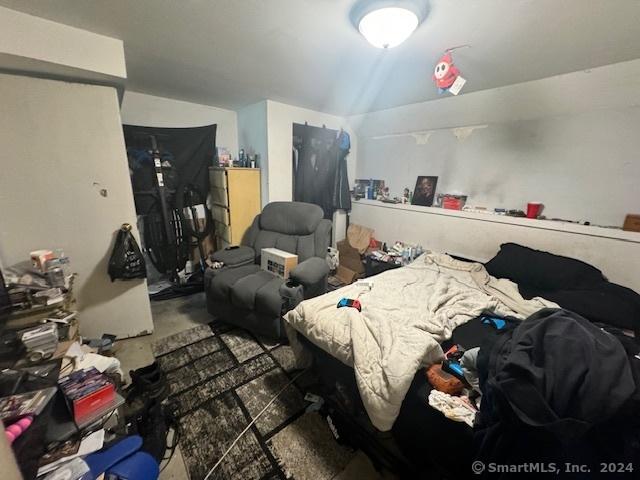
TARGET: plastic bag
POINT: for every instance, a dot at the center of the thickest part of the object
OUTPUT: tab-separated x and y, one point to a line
126	260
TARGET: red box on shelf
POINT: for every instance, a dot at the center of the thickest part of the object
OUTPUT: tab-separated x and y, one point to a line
453	202
85	406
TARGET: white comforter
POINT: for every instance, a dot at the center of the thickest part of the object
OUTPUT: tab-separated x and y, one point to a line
404	317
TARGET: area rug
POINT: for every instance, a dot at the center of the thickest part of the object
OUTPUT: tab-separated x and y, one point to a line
220	378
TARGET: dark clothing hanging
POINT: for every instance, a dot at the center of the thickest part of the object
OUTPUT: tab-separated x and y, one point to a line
341	194
320	169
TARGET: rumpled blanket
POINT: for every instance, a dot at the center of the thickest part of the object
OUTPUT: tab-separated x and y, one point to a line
405	316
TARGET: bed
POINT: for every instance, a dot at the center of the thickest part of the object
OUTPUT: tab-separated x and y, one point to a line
404	317
373	359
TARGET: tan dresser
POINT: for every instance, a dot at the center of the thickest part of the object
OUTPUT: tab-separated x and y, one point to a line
235	202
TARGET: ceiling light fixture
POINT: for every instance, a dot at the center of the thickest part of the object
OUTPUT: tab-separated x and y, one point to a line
386	23
388	27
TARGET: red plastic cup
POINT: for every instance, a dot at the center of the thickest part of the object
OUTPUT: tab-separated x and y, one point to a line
534	209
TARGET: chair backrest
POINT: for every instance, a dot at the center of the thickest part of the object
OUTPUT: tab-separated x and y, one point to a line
294	227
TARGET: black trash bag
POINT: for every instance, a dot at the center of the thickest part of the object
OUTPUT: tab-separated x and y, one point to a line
126	260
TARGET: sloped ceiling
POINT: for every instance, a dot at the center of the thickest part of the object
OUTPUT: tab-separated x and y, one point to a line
231	53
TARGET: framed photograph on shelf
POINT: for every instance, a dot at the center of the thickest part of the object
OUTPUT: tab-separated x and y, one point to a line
425	191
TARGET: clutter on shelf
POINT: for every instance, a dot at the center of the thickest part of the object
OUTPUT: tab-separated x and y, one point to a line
370	189
425	195
400	253
632	223
451	201
40	342
244	160
43	280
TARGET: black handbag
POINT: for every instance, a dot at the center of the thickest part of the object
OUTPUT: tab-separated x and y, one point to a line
126	260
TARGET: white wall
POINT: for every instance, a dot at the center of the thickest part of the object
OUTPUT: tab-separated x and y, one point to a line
569	141
151	111
61	144
252	136
46	47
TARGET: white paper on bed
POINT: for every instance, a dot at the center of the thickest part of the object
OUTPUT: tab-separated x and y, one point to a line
404	317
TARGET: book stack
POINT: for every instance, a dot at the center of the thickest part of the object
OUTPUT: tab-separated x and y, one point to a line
88	393
40	342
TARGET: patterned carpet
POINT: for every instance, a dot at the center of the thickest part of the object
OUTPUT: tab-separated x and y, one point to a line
220	378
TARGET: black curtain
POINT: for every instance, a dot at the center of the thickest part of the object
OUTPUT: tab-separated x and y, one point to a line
187	152
320	168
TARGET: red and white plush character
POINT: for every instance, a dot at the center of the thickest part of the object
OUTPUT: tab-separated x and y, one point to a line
445	72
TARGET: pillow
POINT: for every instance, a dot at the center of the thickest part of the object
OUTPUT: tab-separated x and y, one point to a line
526	266
604	302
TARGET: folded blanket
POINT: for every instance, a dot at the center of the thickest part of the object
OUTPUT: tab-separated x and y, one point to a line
404	317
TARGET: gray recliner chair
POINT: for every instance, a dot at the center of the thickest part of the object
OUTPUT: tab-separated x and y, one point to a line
242	294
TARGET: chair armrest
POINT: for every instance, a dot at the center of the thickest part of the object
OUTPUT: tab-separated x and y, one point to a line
235	256
310	272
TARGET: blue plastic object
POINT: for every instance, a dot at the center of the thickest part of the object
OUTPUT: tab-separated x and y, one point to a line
497	323
123	460
139	466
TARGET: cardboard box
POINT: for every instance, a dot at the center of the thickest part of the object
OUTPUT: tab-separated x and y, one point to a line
346	275
350	257
632	223
278	261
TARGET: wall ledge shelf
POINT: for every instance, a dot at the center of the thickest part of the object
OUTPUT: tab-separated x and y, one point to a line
558	226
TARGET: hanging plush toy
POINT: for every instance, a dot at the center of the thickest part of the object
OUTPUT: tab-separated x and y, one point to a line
447	76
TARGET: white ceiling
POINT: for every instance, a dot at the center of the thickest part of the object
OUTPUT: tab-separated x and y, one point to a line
231	53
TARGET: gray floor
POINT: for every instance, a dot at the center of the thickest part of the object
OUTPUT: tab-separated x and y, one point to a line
172	316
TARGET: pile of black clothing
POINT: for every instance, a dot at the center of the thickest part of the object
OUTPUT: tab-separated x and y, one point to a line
571	283
558	391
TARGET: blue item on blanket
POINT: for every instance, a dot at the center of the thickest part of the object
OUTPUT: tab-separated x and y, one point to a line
497	323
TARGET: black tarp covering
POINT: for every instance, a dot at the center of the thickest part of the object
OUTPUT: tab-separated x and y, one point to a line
190	151
186	154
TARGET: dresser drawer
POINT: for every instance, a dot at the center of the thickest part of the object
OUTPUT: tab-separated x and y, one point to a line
219	196
223	231
220	214
218	178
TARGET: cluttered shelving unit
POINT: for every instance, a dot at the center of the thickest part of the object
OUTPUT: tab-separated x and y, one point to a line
58	391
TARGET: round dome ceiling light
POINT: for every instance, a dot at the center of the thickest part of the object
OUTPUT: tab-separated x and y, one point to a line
388	23
388	27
